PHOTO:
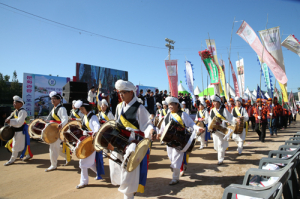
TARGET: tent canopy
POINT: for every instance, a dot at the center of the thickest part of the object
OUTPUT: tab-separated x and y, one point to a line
197	91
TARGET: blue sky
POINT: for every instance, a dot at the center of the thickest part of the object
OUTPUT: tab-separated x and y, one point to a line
33	45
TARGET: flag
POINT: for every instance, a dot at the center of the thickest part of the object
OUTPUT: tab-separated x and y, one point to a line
284	92
248	34
292	44
211	67
189	76
222	64
171	66
260	93
222	78
211	46
241	76
236	86
265	72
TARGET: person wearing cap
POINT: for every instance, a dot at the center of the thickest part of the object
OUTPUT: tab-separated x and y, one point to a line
92	95
260	113
158	110
21	140
277	113
164	111
184	109
75	113
105	114
178	158
208	105
200	116
135	118
231	105
90	126
58	115
241	114
250	114
271	117
220	141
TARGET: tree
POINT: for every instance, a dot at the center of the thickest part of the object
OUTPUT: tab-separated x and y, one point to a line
15	87
6	78
299	89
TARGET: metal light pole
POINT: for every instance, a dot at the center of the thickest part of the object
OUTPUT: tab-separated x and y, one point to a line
169	46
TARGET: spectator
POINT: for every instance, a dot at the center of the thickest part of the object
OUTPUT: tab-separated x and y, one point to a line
150	102
157	96
114	101
141	96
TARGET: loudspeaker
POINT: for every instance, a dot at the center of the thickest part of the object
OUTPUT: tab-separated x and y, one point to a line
68	106
75	91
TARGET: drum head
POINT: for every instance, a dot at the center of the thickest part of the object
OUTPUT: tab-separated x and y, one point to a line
74	124
160	122
85	148
105	128
50	133
136	157
6	133
156	120
32	128
165	132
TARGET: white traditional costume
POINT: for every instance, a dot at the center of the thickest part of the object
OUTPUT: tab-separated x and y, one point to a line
91	126
91	96
164	111
76	113
185	109
21	140
177	157
134	117
239	112
202	114
220	141
107	115
59	115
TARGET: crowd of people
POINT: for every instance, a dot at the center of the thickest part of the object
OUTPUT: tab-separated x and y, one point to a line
150	117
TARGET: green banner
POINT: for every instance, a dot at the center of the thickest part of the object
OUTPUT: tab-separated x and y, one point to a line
211	67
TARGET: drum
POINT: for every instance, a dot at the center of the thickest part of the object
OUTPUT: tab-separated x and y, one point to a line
7	133
36	127
50	133
156	120
201	124
71	132
176	136
85	148
114	136
239	127
216	125
160	122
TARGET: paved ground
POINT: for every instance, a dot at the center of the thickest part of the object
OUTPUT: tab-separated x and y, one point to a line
204	178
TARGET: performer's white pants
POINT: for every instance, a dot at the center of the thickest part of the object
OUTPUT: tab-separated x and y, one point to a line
85	164
239	139
201	139
55	150
240	146
176	157
176	173
220	145
129	196
17	145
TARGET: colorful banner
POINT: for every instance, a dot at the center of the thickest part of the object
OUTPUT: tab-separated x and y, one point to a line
278	95
171	66
265	72
211	67
222	64
248	34
271	40
284	92
36	89
92	74
222	78
292	44
241	76
260	94
211	46
189	76
236	86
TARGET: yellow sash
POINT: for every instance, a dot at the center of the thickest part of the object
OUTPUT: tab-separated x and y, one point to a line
55	116
75	114
15	116
177	118
104	116
159	110
237	111
87	123
66	150
164	112
126	123
218	114
201	114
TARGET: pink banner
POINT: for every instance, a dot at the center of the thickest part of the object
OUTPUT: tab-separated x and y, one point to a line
248	34
171	66
236	86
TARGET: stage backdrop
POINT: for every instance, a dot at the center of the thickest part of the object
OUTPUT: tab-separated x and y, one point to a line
92	74
36	89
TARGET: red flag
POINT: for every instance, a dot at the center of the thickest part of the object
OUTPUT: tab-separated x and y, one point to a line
236	86
171	66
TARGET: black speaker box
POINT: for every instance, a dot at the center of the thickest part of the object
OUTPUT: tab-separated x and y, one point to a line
68	106
75	91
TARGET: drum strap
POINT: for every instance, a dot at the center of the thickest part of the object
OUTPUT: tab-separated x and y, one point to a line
177	118
128	119
16	113
237	111
164	111
202	114
86	121
218	114
54	113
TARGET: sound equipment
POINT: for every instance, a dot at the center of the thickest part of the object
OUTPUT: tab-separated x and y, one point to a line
68	106
75	91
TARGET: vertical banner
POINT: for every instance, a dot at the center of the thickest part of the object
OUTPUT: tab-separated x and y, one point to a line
267	76
189	76
271	40
248	34
292	44
28	93
222	78
211	67
241	76
222	63
284	92
236	86
211	46
171	66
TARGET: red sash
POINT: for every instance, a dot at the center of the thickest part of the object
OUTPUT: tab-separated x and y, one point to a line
58	122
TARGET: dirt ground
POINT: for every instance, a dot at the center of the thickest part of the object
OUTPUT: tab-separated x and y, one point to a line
203	179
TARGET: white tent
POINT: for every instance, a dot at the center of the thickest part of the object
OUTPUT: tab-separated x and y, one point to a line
254	94
230	89
197	91
181	89
249	95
